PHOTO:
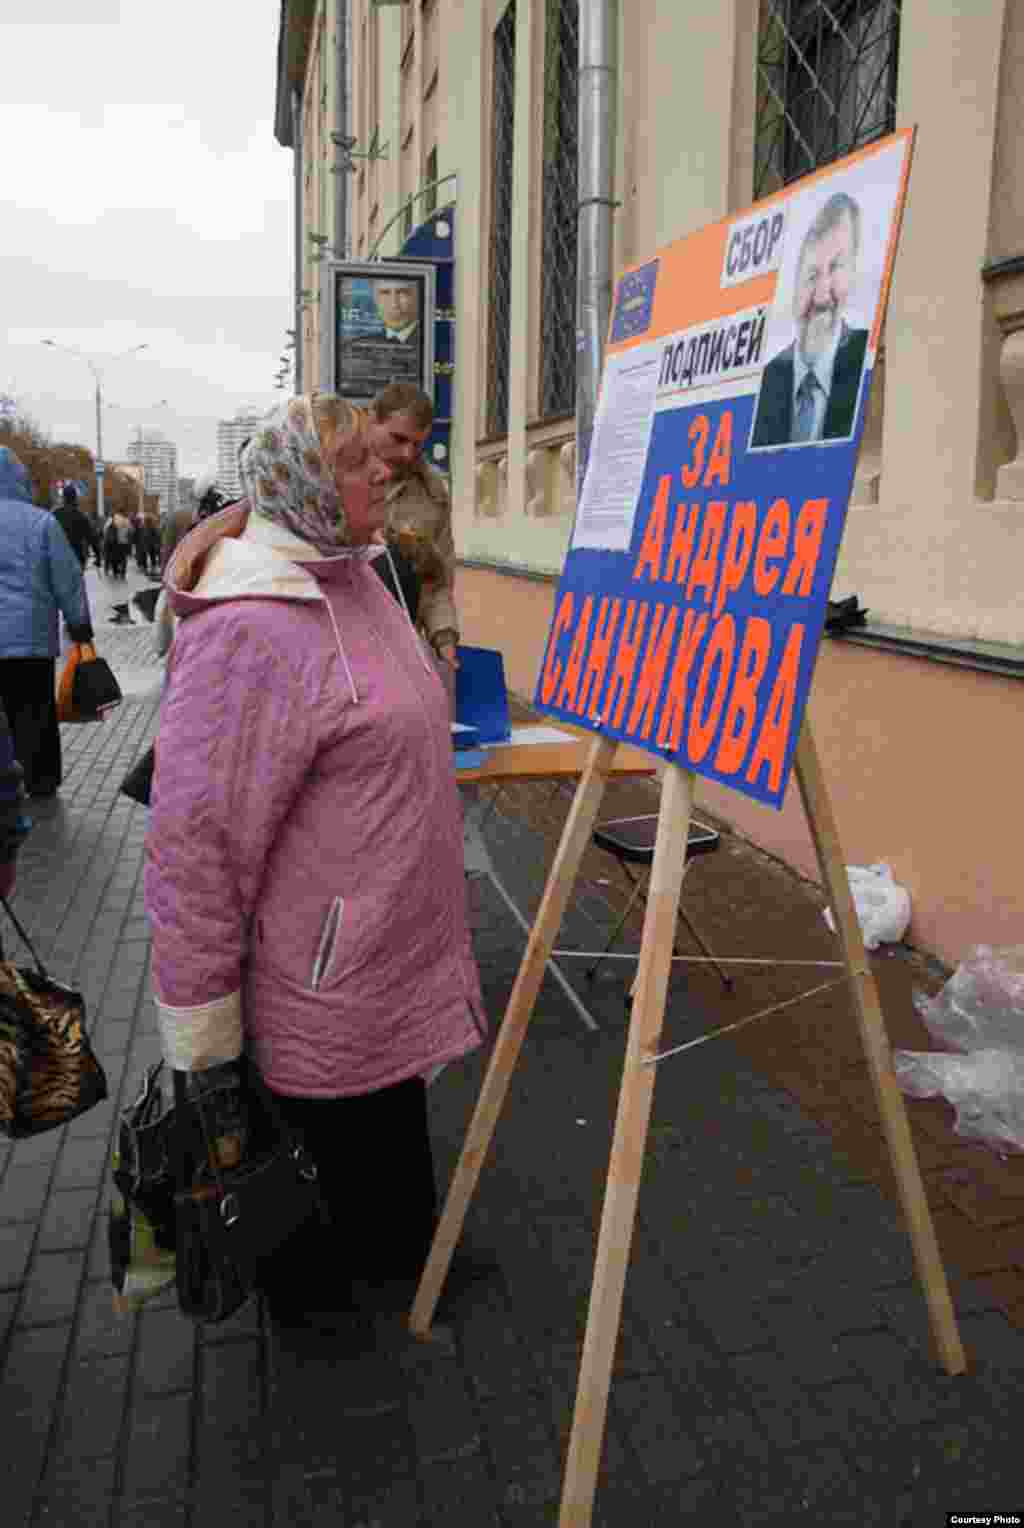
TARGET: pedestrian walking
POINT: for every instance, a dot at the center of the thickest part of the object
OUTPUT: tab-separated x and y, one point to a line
123	535
151	547
39	577
304	867
14	824
75	524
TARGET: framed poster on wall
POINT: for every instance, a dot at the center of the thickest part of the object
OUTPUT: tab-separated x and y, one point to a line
383	328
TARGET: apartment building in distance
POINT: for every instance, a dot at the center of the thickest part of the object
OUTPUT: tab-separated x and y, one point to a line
231	436
158	458
712	108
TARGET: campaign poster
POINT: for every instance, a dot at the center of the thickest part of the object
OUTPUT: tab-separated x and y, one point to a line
383	327
733	398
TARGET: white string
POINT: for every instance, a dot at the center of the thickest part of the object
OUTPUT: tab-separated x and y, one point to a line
740	1023
703	960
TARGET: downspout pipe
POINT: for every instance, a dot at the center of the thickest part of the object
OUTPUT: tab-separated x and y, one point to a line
341	159
340	176
598	127
297	157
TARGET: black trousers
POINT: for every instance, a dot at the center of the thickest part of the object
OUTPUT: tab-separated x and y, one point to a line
28	693
376	1172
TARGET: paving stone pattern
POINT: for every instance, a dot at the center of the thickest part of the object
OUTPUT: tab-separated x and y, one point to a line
773	1366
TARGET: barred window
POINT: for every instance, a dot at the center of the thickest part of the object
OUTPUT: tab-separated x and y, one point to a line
560	157
502	123
826	83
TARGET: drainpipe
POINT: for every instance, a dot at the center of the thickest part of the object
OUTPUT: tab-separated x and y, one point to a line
598	96
338	234
299	253
341	159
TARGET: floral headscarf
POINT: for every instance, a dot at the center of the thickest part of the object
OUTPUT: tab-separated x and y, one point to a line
287	468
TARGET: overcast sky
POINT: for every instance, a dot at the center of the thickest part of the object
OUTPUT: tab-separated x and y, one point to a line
143	199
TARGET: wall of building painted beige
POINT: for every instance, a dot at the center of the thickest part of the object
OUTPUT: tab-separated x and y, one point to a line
674	174
464	89
931	554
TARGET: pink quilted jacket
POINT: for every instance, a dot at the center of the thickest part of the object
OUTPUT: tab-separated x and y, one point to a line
304	866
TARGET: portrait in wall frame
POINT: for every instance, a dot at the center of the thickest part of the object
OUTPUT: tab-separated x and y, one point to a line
383	327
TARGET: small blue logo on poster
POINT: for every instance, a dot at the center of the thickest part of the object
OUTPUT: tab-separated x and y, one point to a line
634	302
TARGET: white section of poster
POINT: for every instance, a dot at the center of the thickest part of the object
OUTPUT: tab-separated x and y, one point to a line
618	450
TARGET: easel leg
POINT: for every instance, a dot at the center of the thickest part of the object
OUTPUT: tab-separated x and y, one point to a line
562	879
627	1155
871	1023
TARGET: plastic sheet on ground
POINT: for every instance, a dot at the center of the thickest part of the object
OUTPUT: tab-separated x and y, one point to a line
979	1013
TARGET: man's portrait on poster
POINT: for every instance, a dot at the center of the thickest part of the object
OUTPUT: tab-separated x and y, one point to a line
381	326
810	389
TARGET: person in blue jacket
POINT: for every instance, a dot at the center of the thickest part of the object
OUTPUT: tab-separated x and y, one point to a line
39	577
13	822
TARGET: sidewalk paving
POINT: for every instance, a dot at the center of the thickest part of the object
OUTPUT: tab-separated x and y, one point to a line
774	1363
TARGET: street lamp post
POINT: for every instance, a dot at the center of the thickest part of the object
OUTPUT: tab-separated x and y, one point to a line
98	379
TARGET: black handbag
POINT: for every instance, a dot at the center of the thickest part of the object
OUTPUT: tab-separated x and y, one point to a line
239	1200
241	1196
138	782
49	1073
94	690
208	1189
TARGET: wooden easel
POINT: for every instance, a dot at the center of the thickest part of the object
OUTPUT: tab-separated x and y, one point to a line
637	1091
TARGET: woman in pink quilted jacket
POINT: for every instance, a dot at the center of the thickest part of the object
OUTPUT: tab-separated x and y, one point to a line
304	864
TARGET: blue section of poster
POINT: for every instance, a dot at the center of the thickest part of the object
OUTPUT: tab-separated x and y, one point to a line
699	643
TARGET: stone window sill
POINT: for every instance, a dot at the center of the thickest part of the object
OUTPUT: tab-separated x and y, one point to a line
962	652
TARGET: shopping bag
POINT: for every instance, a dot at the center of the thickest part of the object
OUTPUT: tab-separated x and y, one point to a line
94	690
88	689
250	1189
65	705
208	1184
49	1073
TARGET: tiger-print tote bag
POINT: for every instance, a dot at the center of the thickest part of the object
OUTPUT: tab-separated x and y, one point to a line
49	1073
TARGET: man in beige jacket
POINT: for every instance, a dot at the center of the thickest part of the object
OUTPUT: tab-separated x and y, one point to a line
419	508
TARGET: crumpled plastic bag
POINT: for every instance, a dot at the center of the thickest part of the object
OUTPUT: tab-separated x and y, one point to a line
980	1012
981	1007
882	907
986	1089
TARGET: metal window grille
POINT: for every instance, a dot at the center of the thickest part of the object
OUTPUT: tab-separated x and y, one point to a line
559	217
502	123
826	83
